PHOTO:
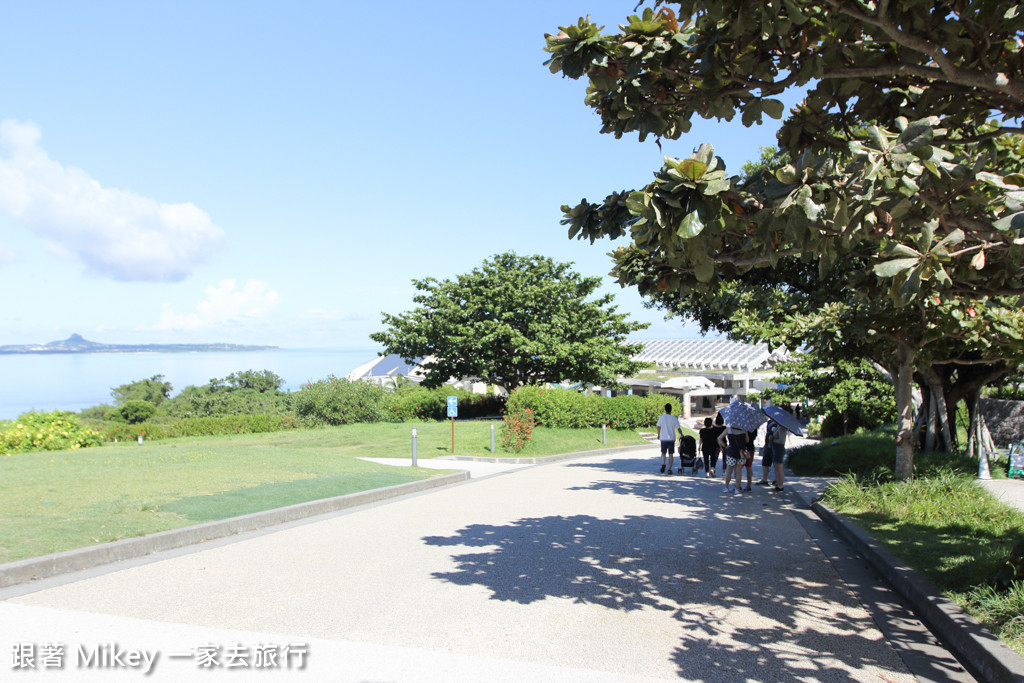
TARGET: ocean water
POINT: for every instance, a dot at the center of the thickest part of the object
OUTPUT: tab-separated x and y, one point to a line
75	381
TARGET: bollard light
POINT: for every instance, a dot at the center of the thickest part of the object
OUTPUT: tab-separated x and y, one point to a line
414	447
492	438
604	434
140	439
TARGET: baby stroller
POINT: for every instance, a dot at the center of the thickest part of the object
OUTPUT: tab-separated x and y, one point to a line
688	455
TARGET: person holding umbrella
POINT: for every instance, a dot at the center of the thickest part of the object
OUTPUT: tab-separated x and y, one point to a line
741	418
786	424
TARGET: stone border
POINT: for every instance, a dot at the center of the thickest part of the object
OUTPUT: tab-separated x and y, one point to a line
47	566
981	652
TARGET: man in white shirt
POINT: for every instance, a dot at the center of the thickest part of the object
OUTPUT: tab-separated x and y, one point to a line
668	425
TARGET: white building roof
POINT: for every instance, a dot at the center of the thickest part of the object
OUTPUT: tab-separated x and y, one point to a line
708	354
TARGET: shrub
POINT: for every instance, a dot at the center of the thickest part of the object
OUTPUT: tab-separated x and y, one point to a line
131	432
257	423
208	402
231	424
419	403
634	412
334	401
54	431
517	429
566	408
133	411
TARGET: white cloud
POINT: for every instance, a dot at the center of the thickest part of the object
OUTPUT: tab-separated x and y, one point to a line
114	233
224	305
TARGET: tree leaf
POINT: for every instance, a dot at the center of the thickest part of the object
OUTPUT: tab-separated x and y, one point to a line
704	270
787	174
1015	221
773	108
895	267
691	225
692	169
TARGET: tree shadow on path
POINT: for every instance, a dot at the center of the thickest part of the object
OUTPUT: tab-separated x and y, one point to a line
746	609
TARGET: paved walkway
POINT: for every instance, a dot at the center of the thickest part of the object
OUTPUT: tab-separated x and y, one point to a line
1009	491
595	569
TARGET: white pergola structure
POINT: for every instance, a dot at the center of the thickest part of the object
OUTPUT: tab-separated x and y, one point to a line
715	368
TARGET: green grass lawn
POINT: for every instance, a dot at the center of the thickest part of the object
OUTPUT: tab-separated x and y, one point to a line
60	500
943	523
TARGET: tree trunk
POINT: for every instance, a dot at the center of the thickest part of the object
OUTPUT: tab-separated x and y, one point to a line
929	438
937	392
905	412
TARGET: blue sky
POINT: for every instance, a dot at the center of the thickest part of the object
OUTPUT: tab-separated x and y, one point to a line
277	173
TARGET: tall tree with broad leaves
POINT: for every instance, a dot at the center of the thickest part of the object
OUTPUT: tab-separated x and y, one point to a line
512	321
907	158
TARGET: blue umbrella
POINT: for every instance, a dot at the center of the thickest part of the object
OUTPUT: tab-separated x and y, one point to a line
745	416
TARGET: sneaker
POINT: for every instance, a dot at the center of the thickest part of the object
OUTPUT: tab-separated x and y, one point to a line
778	489
726	490
763	482
663	469
748	489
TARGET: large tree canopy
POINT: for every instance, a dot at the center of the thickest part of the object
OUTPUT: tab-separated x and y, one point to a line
902	191
514	320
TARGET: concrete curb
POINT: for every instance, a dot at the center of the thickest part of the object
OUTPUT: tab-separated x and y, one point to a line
36	568
541	460
980	651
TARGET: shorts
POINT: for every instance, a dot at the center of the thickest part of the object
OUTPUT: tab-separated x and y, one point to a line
749	462
766	456
668	447
730	461
778	454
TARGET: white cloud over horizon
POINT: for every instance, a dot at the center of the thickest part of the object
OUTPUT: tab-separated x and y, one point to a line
114	233
224	305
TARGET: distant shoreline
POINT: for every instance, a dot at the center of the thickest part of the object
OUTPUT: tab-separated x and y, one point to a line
77	344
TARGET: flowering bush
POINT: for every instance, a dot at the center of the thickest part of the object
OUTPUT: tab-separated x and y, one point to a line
517	430
56	431
132	432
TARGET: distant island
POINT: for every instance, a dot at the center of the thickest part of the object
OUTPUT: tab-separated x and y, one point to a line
77	344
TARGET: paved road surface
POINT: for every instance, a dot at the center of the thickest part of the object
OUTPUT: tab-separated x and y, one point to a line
596	569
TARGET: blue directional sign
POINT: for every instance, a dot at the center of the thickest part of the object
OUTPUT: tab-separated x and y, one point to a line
453	406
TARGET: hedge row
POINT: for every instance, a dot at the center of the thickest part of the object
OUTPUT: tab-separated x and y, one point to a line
199	426
334	401
566	408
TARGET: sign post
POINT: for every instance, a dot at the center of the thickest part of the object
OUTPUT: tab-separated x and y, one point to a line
453	412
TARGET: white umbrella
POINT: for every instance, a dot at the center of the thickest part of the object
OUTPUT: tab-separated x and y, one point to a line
745	416
783	418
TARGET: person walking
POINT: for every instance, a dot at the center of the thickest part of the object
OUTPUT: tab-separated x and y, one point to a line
766	454
733	441
707	444
748	462
668	425
779	455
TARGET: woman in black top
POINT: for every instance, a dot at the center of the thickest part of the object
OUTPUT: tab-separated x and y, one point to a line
708	443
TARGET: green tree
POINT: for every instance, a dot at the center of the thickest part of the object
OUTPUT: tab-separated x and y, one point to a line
515	320
897	167
133	411
848	394
263	381
154	390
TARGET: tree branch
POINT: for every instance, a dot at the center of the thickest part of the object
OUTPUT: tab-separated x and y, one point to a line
994	82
